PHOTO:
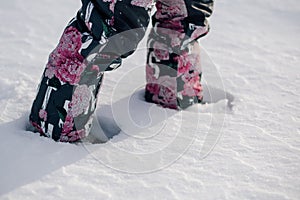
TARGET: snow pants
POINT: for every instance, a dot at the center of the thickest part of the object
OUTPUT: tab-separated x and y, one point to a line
98	38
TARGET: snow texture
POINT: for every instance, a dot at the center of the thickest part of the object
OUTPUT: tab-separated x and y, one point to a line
243	144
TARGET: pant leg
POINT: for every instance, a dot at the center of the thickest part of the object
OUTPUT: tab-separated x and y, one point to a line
173	68
67	94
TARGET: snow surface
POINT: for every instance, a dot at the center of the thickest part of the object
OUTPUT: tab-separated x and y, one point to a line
244	144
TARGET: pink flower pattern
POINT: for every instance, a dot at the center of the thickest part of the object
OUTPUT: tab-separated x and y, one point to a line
166	97
171	9
65	62
43	114
161	51
68	134
163	88
80	100
184	64
73	136
142	3
192	86
187	62
68	125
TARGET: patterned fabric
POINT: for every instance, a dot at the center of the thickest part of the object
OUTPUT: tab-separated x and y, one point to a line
67	94
173	69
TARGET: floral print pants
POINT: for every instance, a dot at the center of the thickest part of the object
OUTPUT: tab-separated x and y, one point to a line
98	38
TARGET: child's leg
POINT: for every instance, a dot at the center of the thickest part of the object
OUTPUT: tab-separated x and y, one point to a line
67	94
173	64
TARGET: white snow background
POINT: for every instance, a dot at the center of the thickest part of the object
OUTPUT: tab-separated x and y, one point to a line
254	46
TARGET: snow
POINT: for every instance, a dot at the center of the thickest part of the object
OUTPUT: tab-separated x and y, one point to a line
244	144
